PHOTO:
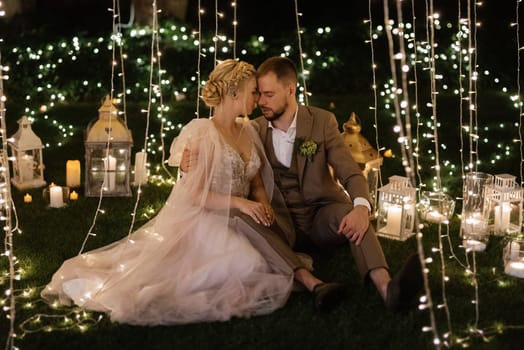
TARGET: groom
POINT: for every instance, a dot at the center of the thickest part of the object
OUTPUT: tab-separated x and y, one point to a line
302	143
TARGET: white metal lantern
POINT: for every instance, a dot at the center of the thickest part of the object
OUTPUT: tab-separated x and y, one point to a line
396	209
503	205
108	145
513	256
26	150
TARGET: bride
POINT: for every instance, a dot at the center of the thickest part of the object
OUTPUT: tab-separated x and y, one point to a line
215	250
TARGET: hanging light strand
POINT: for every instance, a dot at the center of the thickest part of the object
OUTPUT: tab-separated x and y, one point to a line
216	38
517	35
235	26
155	91
116	40
300	53
7	209
402	140
472	92
415	90
431	18
458	43
199	58
374	82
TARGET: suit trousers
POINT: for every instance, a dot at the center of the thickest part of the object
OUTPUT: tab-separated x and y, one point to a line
275	246
320	226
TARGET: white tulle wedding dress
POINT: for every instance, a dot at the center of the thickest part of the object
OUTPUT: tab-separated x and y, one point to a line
189	263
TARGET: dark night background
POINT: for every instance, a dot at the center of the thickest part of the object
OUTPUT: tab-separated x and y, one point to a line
273	18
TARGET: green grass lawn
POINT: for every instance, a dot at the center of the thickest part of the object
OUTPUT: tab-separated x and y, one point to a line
361	322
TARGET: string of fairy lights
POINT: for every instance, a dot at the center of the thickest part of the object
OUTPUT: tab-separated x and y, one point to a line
6	211
115	42
431	18
396	92
374	107
516	25
402	106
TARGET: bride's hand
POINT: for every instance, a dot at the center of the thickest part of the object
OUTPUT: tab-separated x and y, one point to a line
270	214
257	211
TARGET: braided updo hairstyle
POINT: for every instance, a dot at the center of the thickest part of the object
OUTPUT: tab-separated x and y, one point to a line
226	78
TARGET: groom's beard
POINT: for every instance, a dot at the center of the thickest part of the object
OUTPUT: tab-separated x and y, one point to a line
272	115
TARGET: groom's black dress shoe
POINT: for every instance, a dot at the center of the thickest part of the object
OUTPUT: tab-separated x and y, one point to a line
328	295
405	285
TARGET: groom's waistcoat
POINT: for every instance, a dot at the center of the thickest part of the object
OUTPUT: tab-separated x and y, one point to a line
285	178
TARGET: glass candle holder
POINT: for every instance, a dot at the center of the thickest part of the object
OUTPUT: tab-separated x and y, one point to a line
474	225
513	256
436	207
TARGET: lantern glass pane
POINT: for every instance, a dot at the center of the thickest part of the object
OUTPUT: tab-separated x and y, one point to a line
503	205
513	254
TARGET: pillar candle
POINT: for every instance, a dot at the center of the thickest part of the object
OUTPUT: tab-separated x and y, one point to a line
26	168
502	216
394	220
73	173
110	179
514	248
515	268
56	199
140	168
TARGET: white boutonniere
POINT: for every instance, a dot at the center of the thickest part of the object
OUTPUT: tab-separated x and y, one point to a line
306	148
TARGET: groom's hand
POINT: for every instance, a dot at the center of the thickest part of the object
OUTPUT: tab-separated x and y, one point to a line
188	158
355	224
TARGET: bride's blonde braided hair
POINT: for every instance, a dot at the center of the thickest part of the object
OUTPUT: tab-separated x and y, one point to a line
226	78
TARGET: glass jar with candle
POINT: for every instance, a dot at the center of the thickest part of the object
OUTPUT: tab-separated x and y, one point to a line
474	225
436	207
513	256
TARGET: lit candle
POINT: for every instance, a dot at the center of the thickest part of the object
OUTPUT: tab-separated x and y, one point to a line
56	199
515	268
28	198
26	168
110	178
73	196
73	173
140	168
394	220
514	249
475	225
502	217
434	216
474	245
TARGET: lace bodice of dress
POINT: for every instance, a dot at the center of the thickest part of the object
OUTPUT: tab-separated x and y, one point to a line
237	170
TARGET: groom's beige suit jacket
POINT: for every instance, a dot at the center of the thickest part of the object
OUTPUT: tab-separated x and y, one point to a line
315	178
